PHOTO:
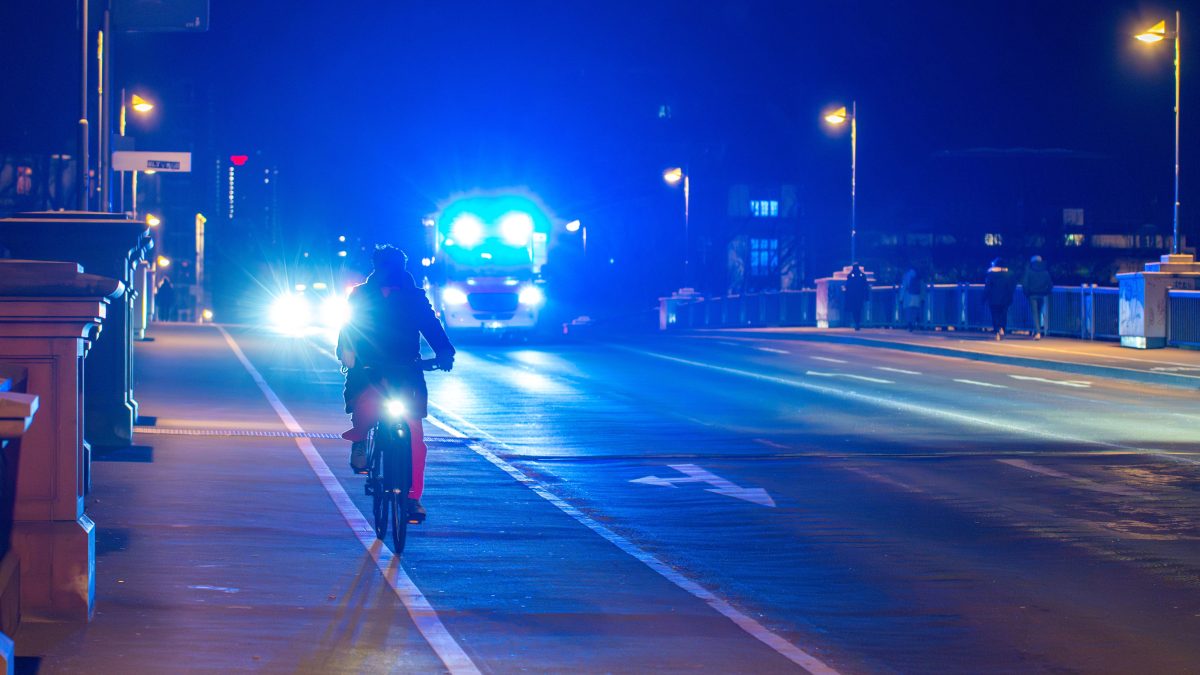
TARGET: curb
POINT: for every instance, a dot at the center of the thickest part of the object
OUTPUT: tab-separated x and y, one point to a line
1189	382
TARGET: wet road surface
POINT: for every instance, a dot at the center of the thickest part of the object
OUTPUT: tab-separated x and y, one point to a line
729	504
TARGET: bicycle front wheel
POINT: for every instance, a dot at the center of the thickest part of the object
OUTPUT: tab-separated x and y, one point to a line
399	513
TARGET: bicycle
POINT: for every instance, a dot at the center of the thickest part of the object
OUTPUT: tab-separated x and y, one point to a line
389	466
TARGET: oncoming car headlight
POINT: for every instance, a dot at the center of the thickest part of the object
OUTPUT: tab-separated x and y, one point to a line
531	296
291	313
452	295
335	311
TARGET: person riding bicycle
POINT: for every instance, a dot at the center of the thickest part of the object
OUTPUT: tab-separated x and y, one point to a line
380	348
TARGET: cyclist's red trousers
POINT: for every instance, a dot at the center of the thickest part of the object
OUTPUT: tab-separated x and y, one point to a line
366	414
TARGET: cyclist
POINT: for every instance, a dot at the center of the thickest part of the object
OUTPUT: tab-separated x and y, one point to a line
389	313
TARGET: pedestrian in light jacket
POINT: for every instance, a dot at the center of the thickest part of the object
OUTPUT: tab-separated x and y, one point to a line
1037	286
912	296
998	289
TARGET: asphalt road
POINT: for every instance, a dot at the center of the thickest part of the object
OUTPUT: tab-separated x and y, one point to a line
729	504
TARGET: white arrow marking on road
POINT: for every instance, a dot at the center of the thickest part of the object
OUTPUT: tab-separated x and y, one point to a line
864	378
1082	384
694	474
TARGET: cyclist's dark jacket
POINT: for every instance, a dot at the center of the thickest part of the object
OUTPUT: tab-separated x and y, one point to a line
384	334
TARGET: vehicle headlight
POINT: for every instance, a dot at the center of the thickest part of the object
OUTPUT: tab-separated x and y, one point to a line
532	296
395	408
454	296
467	230
291	312
335	311
516	228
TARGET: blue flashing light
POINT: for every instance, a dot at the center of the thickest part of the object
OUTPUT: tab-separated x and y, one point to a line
516	228
467	228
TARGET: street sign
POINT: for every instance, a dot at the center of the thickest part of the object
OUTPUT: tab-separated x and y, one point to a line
178	162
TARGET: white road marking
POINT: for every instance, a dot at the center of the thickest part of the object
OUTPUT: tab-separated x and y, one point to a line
755	629
772	444
897	370
1081	482
1174	369
982	384
790	651
912	408
850	376
829	360
694	474
729	344
1081	384
419	609
772	350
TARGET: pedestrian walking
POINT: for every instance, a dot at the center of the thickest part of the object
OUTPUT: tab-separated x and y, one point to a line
1037	284
912	297
164	299
857	291
998	289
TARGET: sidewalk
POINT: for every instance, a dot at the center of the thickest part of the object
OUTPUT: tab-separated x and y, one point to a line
1167	367
216	548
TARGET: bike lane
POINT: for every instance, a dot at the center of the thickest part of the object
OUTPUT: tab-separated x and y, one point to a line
522	582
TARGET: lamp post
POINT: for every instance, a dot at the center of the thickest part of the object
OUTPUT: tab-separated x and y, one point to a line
673	177
1157	33
839	117
142	106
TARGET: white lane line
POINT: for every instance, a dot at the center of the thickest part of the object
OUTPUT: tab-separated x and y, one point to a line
790	651
982	384
727	343
422	613
849	376
760	632
897	370
1081	482
828	359
1080	384
912	408
772	350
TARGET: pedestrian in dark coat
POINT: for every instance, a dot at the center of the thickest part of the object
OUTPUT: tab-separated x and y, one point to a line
857	291
1037	285
164	299
998	289
912	296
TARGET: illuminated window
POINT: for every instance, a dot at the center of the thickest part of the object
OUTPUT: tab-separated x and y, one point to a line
764	257
993	239
1073	239
764	208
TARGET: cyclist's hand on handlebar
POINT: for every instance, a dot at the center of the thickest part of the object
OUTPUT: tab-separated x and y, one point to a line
445	363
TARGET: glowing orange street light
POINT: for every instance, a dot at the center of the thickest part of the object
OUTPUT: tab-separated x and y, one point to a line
837	117
1157	33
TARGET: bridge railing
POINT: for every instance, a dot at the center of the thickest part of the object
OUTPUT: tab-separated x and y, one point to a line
1183	318
1089	312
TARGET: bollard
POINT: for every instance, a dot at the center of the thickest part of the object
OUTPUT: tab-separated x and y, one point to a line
50	315
110	245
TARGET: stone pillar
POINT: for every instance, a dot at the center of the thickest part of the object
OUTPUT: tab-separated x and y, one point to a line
107	244
16	413
50	315
1143	299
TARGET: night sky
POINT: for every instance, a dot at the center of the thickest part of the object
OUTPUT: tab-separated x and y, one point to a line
375	114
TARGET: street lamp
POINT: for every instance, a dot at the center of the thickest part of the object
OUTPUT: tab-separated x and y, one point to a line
141	106
153	220
838	117
1157	33
673	177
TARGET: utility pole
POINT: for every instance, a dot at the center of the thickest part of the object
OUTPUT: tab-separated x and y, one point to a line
83	161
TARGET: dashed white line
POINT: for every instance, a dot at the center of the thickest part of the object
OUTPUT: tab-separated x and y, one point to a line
772	350
1079	384
849	376
419	609
785	648
982	384
897	370
829	360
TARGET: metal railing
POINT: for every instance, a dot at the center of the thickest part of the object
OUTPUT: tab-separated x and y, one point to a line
1089	312
1183	318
